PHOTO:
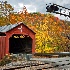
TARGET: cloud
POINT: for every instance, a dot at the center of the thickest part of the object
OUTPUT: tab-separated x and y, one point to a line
19	10
20	5
34	10
15	6
30	8
59	16
38	5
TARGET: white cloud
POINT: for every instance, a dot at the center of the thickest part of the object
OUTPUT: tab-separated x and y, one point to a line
19	10
20	5
30	8
38	5
58	15
27	6
15	6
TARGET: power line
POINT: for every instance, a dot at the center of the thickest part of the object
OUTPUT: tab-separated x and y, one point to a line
54	8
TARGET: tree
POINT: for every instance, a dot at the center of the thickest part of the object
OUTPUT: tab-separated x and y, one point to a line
5	10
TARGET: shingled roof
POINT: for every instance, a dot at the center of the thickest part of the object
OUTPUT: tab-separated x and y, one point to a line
11	26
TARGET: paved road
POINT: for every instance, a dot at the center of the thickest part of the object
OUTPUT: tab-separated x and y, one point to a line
64	63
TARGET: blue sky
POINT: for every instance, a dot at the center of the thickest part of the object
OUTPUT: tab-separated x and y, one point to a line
38	5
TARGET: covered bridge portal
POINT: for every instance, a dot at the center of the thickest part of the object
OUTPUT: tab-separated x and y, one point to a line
16	38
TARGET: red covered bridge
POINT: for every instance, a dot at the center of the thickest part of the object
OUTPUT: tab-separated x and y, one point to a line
16	38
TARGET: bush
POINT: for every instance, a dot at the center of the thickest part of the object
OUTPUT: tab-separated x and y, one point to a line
7	59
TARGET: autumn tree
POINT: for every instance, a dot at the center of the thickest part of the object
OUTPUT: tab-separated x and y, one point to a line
52	34
49	36
5	10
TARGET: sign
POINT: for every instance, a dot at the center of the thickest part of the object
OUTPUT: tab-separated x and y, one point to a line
20	29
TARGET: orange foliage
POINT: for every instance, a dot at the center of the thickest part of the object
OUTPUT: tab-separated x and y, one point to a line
49	30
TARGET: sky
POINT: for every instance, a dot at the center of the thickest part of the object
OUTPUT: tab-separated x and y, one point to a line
39	6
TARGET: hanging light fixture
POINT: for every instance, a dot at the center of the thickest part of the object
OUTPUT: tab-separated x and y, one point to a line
16	37
21	36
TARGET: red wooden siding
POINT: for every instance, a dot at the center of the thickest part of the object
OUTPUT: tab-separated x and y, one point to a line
4	40
2	46
25	31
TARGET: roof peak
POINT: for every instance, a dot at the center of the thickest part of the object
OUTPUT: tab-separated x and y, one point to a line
11	26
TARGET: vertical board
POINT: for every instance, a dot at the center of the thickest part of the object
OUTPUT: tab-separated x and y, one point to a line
2	46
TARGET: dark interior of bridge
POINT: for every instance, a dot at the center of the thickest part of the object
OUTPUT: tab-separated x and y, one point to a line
20	45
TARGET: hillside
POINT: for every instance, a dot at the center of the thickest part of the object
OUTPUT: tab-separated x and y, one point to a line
52	34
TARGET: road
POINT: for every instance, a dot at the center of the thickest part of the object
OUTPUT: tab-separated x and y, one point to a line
63	62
